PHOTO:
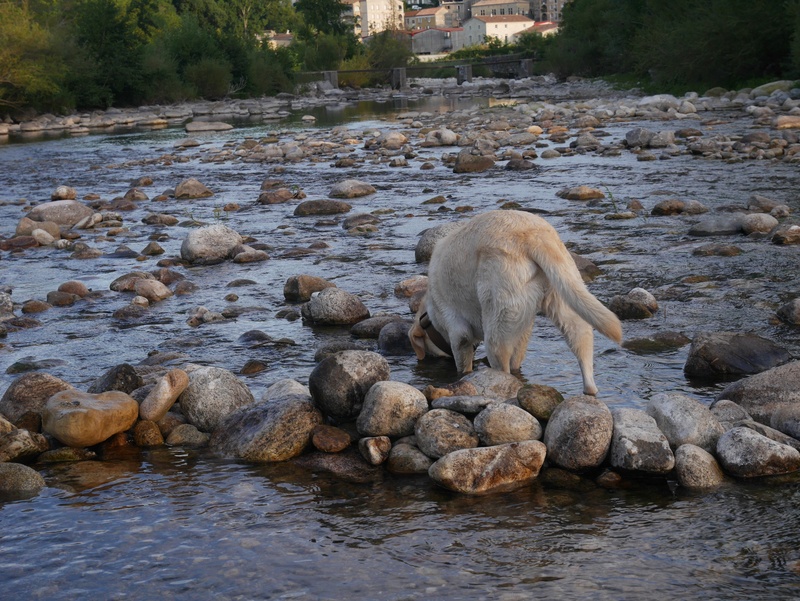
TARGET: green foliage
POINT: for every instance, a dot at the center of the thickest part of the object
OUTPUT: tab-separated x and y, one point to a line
268	72
322	17
211	77
322	53
348	78
389	49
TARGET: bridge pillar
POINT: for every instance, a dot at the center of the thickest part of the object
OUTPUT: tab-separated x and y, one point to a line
463	73
332	77
398	78
526	67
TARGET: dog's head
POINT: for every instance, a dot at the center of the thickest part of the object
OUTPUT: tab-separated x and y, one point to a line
425	339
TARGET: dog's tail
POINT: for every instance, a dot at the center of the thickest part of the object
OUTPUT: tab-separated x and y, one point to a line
564	276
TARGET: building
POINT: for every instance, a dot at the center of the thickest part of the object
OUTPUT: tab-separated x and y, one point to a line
504	28
427	18
500	8
548	10
369	17
435	40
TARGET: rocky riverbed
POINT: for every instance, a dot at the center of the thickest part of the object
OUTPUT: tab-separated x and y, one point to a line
247	289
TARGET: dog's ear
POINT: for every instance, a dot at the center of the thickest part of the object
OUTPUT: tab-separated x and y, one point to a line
417	337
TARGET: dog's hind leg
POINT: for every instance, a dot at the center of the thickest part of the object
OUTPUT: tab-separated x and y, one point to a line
579	336
520	347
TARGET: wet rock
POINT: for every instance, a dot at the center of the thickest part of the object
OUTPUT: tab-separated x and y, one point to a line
715	355
391	409
491	469
790	312
745	453
74	287
579	432
441	431
393	339
66	455
429	238
468	404
718	225
758	223
501	423
787	234
210	244
539	400
19	481
375	449
272	430
520	165
656	343
212	394
21	444
127	282
466	162
440	137
372	326
696	468
64	193
27	226
188	436
717	250
321	207
330	439
637	304
301	287
729	413
334	306
146	434
580	193
407	459
340	382
204	126
785	417
65	213
191	188
56	298
685	420
79	419
391	140
349	466
411	286
351	188
493	383
638	445
29	393
163	395
638	136
123	378
676	206
762	394
160	219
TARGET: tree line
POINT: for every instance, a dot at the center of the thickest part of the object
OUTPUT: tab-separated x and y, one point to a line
63	55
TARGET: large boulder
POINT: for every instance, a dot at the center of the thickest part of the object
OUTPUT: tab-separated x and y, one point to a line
489	469
29	394
391	409
191	188
745	453
301	287
579	432
685	420
638	445
762	394
276	429
212	394
334	306
80	419
340	382
351	188
65	213
493	383
210	244
441	431
715	355
502	423
429	238
696	468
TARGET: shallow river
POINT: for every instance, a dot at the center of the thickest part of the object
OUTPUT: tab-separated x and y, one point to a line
172	524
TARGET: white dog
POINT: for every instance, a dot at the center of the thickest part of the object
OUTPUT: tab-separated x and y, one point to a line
487	280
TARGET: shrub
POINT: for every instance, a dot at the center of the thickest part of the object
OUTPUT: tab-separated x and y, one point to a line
211	77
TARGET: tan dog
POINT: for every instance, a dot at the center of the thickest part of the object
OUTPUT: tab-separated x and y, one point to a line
489	278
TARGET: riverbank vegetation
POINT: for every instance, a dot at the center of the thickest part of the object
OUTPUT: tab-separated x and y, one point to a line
62	55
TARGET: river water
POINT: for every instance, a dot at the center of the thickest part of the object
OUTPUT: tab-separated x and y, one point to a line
175	524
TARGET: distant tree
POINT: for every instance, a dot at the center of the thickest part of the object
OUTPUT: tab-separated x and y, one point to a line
323	16
389	49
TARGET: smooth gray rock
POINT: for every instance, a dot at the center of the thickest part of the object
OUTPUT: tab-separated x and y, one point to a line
391	409
685	420
210	244
716	355
213	393
334	306
66	213
718	225
351	188
502	423
29	393
393	339
407	459
340	382
489	469
578	434
441	431
745	453
429	238
466	404
696	468
494	383
268	431
760	395
729	413
638	445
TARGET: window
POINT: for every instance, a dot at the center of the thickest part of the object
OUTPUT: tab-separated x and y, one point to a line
502	11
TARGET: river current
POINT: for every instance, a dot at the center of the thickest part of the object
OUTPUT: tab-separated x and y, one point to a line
169	523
